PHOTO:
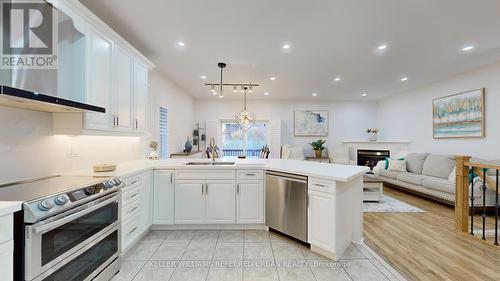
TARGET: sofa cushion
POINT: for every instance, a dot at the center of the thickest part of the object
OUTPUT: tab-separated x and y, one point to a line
412	178
415	162
439	184
396	165
440	166
388	174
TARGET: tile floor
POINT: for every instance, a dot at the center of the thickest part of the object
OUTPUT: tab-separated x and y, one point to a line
253	255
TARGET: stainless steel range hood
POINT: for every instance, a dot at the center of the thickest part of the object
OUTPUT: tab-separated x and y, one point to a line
14	97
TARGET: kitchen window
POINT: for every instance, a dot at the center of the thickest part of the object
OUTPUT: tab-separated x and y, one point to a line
163	145
238	143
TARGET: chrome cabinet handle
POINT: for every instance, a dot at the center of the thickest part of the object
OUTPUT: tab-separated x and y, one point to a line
321	185
249	174
117	121
135	208
134	229
238	189
171	178
202	188
114	121
136	123
206	189
133	182
133	195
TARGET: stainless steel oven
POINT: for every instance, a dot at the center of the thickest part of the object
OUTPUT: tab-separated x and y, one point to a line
75	244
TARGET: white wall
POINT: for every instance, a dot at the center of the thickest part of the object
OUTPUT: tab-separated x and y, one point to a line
409	115
348	120
180	107
28	149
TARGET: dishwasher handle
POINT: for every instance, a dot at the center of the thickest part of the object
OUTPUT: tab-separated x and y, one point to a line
291	177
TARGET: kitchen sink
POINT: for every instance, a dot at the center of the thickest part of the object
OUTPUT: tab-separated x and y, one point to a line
210	163
223	163
199	163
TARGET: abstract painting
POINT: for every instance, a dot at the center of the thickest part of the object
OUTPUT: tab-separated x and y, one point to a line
459	116
310	123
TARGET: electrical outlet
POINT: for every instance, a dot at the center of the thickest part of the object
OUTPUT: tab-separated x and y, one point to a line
73	152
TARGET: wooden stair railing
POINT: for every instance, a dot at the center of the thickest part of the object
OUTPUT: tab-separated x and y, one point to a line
464	178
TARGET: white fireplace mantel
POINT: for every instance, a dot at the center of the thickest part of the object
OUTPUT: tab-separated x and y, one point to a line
394	146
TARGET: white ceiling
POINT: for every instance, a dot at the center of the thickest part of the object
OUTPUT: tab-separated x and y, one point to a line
328	38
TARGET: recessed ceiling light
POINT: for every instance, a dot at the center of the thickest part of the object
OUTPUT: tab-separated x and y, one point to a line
314	94
266	94
404	79
336	79
468	48
272	78
364	95
203	77
214	93
181	44
286	46
221	97
382	47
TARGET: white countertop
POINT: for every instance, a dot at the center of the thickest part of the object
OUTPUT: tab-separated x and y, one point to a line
9	207
327	171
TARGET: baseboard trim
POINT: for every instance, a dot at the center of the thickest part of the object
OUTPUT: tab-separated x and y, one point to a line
210	227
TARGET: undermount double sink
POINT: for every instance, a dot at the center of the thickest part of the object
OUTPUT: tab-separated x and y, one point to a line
210	163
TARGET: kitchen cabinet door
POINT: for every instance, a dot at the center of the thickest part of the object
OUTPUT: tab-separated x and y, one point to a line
141	89
189	202
250	202
98	85
163	199
123	91
220	201
320	220
145	207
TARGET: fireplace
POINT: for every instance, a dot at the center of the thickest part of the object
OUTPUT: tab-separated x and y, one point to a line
370	158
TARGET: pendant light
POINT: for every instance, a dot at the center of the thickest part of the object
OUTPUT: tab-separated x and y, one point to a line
245	119
221	66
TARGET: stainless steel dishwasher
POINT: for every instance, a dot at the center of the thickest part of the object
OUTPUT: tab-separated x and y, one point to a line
286	204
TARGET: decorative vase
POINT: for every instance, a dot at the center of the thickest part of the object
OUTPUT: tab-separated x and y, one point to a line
372	136
318	153
188	146
153	155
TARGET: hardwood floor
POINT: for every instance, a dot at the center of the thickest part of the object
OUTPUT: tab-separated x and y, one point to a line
425	246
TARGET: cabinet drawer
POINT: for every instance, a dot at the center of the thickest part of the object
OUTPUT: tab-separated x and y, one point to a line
131	182
372	185
130	196
205	174
6	228
321	185
250	174
130	231
6	260
130	209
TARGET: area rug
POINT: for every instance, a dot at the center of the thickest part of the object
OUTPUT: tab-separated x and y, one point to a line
390	205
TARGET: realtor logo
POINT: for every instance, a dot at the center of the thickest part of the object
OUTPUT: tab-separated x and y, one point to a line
29	34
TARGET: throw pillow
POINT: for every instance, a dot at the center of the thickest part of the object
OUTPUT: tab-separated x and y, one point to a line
387	161
453	175
397	165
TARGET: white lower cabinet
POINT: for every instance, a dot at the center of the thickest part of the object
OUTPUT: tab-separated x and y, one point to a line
163	197
220	202
320	223
136	211
250	202
205	201
6	260
189	202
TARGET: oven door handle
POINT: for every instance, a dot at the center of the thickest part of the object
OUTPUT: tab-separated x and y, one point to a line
73	216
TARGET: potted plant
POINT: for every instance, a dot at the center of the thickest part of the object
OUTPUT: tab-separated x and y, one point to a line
318	147
372	134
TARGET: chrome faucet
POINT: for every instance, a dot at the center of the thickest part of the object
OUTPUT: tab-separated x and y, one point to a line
212	148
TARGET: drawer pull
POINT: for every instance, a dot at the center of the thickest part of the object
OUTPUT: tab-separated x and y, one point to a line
238	189
249	174
133	182
133	195
320	185
133	229
135	208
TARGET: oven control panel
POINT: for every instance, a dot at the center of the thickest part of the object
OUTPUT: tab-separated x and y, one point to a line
56	203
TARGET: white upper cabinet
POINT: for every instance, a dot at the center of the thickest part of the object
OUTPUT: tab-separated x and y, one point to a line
112	74
141	88
122	89
99	91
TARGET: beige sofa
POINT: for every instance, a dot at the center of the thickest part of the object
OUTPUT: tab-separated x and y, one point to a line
431	175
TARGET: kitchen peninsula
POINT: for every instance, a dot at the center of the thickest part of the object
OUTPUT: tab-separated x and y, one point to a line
230	194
